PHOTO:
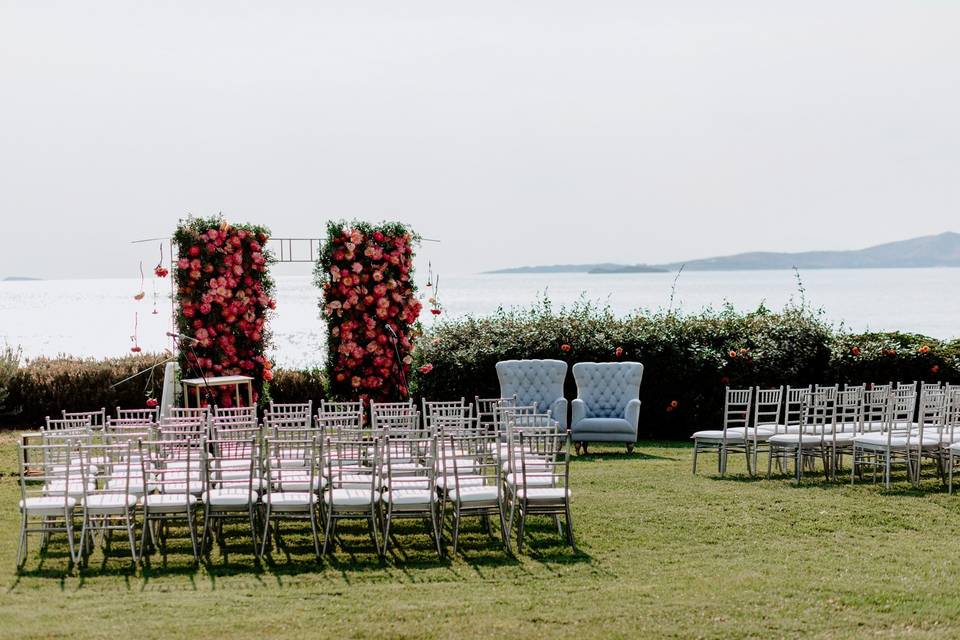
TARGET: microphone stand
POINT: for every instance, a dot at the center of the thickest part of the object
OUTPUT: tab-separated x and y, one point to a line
207	392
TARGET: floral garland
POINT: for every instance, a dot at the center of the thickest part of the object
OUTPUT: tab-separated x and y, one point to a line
369	298
224	298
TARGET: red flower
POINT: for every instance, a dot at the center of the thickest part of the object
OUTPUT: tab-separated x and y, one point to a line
152	403
194	251
618	352
724	380
924	349
935	369
267	375
732	353
160	271
674	404
427	368
135	349
435	312
855	351
565	348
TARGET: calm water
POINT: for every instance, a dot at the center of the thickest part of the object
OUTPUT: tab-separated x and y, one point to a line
96	317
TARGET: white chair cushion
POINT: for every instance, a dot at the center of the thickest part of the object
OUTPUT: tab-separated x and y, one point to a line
298	482
516	480
717	434
110	502
806	440
409	497
447	483
230	498
543	494
290	499
348	497
168	502
481	494
47	505
73	489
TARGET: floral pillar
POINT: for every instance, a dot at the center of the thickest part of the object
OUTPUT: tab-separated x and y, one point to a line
369	299
224	298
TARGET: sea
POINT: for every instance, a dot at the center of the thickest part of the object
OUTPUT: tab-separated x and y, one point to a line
100	317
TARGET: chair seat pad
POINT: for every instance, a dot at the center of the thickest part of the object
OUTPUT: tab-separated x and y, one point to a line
169	501
290	499
348	497
355	480
879	441
805	440
298	482
48	505
608	425
717	434
552	494
752	433
229	498
72	489
481	493
449	483
409	497
119	483
110	502
516	480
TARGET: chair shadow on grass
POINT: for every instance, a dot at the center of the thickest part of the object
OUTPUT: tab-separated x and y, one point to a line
411	552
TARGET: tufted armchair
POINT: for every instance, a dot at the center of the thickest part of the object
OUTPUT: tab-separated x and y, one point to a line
537	382
607	408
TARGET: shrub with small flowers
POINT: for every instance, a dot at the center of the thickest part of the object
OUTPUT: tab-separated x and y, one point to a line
369	300
224	299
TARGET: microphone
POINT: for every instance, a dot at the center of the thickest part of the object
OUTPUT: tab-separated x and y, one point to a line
392	332
180	336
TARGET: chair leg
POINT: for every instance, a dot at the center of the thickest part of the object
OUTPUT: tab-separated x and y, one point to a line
503	528
313	531
570	539
22	544
521	525
70	544
132	534
266	532
456	527
253	533
437	530
696	449
950	472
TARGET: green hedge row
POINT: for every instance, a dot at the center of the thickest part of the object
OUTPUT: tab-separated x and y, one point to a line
688	359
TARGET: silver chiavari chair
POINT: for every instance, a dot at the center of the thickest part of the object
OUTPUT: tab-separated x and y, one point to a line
470	480
43	509
232	484
408	472
172	475
543	484
353	485
294	483
110	505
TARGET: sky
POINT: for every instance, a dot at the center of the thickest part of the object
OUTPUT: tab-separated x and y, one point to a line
515	133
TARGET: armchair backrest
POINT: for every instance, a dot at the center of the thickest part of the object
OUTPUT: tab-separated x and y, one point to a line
607	387
537	382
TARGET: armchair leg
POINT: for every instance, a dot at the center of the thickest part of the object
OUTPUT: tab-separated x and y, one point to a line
630	446
576	447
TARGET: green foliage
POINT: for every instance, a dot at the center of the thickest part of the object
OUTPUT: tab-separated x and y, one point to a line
9	364
46	386
688	359
293	385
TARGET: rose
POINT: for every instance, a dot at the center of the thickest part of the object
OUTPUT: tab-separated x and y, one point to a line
565	348
152	403
855	351
732	353
935	369
427	368
618	352
924	349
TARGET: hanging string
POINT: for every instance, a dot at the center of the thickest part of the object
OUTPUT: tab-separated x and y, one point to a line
136	328
140	295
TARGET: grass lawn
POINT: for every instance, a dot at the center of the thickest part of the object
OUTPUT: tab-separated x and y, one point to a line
662	554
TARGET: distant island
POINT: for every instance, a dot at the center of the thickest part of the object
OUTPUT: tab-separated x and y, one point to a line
941	250
20	279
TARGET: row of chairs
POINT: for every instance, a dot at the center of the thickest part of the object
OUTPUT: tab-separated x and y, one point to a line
877	426
179	467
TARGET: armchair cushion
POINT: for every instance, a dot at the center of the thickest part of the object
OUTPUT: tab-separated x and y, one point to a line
538	382
604	425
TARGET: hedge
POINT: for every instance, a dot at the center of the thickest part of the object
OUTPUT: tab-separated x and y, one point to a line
688	360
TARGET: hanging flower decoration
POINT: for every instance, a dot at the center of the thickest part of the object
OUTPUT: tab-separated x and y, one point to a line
369	299
161	271
136	328
152	403
435	307
224	299
140	294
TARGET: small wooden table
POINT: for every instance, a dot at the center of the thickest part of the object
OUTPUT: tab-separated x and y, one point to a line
216	381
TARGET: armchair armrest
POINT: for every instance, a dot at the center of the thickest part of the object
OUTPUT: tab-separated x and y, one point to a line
559	411
632	413
579	412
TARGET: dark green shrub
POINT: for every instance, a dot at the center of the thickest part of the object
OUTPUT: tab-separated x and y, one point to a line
46	386
292	385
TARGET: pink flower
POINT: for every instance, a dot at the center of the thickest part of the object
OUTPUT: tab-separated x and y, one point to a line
427	368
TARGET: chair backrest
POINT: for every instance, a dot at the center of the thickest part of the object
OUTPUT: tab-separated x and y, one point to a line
848	416
736	408
472	460
68	425
346	460
486	408
901	405
544	460
821	412
188	412
115	461
952	416
328	419
56	469
96	418
144	415
766	407
236	413
292	464
931	414
876	402
409	463
172	466
408	424
607	387
302	411
438	410
341	407
538	382
795	406
382	412
231	465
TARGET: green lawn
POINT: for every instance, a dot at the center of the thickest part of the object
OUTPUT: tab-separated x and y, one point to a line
662	554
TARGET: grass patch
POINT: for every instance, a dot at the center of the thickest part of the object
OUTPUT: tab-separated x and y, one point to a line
662	554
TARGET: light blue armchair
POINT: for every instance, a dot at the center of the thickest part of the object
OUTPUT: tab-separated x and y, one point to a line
537	382
607	408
